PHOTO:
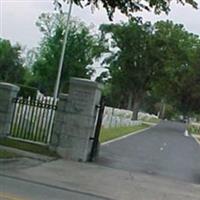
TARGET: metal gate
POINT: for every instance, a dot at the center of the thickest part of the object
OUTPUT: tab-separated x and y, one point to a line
95	144
33	118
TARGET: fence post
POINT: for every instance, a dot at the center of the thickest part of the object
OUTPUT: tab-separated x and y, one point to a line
7	93
75	120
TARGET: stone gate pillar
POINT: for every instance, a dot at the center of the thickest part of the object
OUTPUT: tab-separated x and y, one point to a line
7	93
75	120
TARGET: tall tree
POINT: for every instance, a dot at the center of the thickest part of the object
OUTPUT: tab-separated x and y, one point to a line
175	84
161	59
11	63
81	50
133	62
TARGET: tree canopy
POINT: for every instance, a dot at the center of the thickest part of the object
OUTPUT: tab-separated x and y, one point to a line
81	50
128	7
156	63
133	63
11	63
181	50
155	60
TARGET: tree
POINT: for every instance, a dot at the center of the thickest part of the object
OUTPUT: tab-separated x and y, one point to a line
178	82
11	63
133	63
160	59
128	7
81	50
188	93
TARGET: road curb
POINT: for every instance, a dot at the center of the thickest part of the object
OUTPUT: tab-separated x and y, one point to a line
67	188
125	136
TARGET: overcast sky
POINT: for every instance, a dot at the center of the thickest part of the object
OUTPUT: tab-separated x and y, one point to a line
18	17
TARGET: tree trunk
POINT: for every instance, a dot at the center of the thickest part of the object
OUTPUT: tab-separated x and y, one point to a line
162	110
136	106
130	101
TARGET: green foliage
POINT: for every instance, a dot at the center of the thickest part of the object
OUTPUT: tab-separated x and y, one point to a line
194	128
35	148
152	120
150	103
169	111
102	78
179	83
161	60
112	95
26	91
81	49
133	62
128	7
11	64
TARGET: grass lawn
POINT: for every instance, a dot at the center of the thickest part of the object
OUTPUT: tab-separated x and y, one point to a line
194	128
34	148
153	120
6	154
112	133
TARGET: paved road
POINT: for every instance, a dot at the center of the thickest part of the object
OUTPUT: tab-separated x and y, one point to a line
161	150
15	189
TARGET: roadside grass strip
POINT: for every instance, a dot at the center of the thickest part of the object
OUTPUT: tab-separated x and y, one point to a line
108	134
34	148
194	130
152	120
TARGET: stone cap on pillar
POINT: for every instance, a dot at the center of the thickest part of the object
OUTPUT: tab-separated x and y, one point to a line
85	83
9	86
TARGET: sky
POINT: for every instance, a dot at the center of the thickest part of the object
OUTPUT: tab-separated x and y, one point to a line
18	17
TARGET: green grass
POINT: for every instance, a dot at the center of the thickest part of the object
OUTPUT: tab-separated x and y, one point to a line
34	148
152	120
194	129
112	133
6	154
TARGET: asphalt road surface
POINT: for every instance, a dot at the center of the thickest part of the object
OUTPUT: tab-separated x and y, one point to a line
15	189
161	150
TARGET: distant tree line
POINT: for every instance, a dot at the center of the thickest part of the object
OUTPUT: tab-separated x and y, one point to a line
149	67
152	62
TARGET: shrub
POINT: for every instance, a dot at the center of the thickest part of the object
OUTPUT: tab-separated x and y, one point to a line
194	128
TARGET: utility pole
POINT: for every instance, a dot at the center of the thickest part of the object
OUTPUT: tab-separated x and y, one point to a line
57	85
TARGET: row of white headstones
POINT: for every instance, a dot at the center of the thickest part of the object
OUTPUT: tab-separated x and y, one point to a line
114	117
